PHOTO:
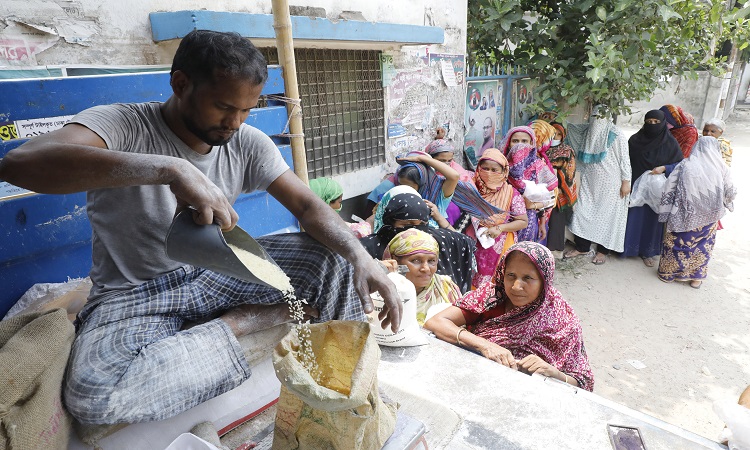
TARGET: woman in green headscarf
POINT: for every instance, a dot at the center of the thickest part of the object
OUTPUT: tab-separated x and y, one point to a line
331	192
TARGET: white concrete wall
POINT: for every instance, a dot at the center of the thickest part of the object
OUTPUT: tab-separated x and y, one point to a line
118	32
698	97
72	32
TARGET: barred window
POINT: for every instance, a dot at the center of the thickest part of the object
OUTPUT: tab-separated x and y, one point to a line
342	108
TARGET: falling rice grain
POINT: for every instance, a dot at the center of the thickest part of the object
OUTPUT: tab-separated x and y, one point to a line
272	275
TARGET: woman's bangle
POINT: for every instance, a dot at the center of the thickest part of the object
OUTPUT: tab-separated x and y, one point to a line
566	377
458	336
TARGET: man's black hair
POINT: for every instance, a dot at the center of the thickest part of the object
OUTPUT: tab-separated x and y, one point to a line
203	55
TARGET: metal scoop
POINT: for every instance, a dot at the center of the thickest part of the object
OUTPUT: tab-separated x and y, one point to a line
207	246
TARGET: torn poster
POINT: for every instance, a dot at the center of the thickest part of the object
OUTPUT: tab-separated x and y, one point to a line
457	62
20	43
387	68
449	74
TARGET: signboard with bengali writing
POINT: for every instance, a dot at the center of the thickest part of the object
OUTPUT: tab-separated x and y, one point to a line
24	129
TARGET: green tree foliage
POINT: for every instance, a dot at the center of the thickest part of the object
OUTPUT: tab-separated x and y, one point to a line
604	51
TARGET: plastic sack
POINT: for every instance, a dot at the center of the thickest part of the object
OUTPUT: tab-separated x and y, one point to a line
409	334
34	351
737	418
647	190
434	309
538	192
342	410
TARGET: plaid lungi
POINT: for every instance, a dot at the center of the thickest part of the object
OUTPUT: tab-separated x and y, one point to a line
131	362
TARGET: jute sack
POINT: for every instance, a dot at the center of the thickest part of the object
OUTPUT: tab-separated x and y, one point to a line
341	411
34	350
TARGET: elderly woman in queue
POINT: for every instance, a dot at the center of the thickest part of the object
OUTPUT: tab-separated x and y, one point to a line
652	146
442	150
497	233
419	252
682	127
520	320
563	159
402	208
698	193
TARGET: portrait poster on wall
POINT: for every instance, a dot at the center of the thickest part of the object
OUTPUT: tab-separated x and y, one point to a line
525	95
481	118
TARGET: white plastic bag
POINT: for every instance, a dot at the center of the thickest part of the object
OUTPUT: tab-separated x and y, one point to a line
647	190
537	192
737	418
410	334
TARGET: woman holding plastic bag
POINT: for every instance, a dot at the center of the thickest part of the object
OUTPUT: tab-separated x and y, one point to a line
536	182
699	191
651	147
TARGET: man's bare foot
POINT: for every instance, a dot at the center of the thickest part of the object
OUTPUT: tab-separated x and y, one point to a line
246	319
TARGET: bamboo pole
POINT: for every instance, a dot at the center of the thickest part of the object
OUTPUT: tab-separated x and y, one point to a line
282	25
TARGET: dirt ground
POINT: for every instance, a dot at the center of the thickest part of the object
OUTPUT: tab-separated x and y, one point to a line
695	344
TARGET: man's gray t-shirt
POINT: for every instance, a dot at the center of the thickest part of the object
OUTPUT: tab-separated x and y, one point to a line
130	224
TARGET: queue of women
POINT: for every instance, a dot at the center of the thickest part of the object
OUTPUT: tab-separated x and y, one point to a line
477	245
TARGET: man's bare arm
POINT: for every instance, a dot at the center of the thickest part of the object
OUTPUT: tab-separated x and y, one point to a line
321	222
75	159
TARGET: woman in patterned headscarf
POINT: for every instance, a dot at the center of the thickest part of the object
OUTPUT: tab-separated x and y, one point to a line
544	133
682	127
402	208
520	320
698	192
563	159
419	252
526	165
496	234
442	150
517	135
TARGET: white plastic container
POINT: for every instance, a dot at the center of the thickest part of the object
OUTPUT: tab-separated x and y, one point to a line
409	334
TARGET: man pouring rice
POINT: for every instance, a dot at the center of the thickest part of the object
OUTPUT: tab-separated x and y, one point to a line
138	163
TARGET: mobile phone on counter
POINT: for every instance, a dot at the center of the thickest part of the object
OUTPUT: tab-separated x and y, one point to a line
625	437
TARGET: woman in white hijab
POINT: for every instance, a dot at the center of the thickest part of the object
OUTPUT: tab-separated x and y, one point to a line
698	192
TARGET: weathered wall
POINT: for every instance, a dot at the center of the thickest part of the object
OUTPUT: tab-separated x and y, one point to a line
65	32
95	32
698	97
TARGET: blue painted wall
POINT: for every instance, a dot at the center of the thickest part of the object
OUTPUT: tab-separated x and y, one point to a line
175	25
47	238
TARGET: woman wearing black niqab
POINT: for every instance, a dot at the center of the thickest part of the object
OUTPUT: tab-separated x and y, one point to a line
651	147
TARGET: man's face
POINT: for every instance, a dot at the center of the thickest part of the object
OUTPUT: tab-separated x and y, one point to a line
487	128
214	110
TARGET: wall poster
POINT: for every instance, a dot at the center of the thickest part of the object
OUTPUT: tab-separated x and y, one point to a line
481	116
